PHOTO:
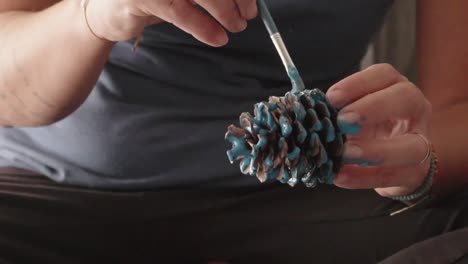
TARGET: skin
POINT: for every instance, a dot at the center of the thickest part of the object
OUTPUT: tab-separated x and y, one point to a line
44	93
390	109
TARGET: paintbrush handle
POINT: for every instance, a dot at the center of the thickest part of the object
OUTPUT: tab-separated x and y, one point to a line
267	18
293	73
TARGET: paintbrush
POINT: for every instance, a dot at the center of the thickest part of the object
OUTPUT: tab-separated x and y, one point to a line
297	82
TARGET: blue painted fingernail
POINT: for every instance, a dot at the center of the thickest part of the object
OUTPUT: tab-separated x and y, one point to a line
364	164
369	163
349	129
349	123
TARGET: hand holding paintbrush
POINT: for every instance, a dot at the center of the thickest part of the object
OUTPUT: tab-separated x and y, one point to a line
114	21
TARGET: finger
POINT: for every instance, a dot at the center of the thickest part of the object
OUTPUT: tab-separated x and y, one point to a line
407	150
372	79
247	8
187	17
383	130
153	20
226	12
355	177
402	100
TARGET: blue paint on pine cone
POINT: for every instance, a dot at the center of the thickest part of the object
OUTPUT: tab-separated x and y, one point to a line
291	138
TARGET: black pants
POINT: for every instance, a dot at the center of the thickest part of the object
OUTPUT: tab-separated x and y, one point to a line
43	222
451	247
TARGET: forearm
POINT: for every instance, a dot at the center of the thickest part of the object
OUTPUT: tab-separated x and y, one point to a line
442	65
450	133
50	63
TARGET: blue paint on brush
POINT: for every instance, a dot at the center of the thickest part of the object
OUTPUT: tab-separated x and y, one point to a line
296	80
300	112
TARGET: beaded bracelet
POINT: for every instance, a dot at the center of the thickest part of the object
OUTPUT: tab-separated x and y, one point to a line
426	187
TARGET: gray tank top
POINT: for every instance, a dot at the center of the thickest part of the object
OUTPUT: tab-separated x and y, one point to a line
156	119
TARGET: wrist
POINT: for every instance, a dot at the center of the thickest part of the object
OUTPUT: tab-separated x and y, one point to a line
83	27
85	4
84	7
427	187
425	193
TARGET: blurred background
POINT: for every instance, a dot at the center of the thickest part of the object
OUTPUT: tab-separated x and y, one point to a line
396	42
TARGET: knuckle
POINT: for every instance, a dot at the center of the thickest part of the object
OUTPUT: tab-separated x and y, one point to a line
407	92
171	9
249	7
231	18
410	91
413	91
172	5
176	9
387	69
416	98
225	14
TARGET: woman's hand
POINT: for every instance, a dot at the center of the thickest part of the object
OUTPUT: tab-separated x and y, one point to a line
119	20
386	118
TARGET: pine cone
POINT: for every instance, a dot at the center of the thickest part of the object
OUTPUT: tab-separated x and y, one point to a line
290	138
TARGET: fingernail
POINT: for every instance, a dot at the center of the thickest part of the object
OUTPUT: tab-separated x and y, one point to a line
370	163
337	98
241	25
349	117
252	12
349	123
222	39
352	152
364	164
